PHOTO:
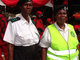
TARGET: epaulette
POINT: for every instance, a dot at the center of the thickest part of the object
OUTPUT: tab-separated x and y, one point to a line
33	22
14	19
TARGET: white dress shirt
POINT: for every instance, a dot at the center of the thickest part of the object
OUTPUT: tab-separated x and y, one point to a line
21	33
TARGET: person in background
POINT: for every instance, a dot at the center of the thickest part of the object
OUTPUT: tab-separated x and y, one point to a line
76	18
33	17
22	35
59	40
3	45
38	21
48	22
77	30
40	31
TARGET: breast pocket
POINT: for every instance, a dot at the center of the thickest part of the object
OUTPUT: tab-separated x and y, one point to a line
24	37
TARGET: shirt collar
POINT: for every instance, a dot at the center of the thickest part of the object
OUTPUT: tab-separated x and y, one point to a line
23	20
65	29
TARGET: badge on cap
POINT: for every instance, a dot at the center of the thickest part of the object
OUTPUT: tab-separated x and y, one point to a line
29	0
65	8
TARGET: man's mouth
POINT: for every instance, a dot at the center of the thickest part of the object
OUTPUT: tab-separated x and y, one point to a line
62	18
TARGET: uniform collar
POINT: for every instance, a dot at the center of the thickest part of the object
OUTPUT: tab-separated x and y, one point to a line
65	29
23	20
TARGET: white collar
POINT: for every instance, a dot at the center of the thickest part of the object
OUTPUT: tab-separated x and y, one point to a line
23	20
65	29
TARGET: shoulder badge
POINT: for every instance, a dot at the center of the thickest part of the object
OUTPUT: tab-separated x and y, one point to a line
15	19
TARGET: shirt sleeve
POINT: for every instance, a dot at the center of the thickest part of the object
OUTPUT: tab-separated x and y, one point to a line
45	39
9	35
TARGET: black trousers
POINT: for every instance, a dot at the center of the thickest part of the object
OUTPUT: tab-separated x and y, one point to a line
27	53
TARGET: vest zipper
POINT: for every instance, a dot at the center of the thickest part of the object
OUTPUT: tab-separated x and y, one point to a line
69	51
67	44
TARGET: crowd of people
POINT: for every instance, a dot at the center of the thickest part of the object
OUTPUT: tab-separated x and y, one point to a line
3	45
23	37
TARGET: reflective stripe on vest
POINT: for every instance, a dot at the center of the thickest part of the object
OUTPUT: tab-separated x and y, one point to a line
54	57
57	58
64	52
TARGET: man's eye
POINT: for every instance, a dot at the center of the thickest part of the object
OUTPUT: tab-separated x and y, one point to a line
28	4
62	13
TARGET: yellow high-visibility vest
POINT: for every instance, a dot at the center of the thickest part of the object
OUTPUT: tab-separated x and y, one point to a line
59	48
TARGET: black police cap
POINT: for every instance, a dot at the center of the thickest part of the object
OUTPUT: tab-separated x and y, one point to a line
59	7
21	2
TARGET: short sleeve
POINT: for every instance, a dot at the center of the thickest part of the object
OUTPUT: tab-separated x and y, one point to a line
45	39
9	35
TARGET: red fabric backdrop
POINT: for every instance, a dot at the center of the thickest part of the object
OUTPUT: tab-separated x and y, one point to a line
36	3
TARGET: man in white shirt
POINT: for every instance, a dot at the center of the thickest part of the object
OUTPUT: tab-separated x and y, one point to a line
22	35
56	40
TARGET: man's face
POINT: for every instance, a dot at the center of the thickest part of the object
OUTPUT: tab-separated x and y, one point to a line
26	8
61	16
